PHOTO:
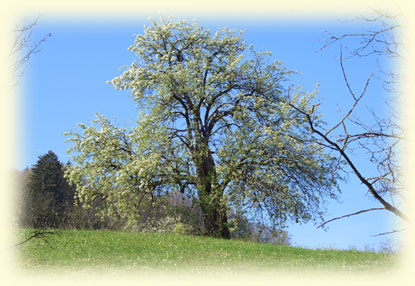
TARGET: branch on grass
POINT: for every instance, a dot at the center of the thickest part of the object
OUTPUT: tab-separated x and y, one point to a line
349	215
37	234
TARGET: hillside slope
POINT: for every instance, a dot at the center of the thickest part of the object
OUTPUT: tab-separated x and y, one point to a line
93	249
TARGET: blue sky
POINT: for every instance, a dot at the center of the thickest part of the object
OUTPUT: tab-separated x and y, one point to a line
64	85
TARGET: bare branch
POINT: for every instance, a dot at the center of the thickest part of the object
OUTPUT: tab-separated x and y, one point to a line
349	215
356	100
368	135
380	140
24	43
342	152
368	39
389	232
37	234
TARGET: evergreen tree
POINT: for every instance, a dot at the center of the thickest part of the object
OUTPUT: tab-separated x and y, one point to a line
47	193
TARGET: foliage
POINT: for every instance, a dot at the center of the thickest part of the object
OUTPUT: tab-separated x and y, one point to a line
242	228
178	215
216	125
180	228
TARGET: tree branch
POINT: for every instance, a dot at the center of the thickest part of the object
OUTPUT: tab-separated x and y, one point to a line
37	234
356	100
389	232
348	215
351	165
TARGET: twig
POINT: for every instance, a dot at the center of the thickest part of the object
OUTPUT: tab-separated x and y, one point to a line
389	232
348	215
356	99
40	234
24	43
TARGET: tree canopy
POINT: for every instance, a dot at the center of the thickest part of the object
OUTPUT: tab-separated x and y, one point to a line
216	123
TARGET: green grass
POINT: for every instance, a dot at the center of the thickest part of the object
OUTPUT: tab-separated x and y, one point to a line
88	249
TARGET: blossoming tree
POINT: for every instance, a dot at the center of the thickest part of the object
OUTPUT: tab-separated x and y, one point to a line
216	124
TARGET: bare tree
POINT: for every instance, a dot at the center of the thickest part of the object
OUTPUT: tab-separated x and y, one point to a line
24	47
377	138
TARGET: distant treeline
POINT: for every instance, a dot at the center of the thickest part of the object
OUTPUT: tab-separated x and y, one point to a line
46	200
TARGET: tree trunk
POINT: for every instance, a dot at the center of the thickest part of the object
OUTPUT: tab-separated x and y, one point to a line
214	215
210	197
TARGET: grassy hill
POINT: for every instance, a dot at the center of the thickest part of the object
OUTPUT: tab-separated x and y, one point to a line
88	249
